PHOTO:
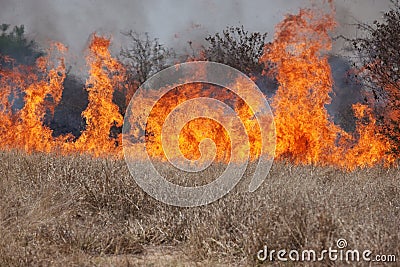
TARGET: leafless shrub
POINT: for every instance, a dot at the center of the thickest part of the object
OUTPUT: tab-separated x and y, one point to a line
379	61
144	56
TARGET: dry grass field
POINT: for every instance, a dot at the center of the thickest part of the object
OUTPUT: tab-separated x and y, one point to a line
78	211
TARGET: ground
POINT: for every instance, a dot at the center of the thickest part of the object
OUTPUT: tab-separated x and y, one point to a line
79	211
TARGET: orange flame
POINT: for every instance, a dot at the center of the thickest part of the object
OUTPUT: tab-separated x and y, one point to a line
305	132
101	114
199	129
25	129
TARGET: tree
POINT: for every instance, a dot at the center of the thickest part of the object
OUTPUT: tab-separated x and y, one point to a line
16	45
379	51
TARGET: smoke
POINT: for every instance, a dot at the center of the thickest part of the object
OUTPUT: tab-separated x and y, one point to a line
173	22
72	22
345	92
350	12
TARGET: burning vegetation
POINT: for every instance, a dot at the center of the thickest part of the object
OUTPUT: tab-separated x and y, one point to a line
296	61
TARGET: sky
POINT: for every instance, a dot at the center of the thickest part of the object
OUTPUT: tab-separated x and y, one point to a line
174	22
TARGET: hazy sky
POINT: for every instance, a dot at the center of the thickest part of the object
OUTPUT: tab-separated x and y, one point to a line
173	21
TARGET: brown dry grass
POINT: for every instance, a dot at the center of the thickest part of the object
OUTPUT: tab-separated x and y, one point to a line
77	211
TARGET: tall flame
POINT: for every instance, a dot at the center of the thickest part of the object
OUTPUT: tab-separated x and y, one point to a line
101	113
42	90
305	133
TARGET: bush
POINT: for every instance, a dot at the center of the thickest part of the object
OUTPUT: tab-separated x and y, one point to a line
379	64
237	48
16	45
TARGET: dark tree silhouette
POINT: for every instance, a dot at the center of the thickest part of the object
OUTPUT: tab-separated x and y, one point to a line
14	44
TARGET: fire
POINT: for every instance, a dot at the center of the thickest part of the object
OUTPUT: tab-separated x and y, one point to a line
199	129
371	147
305	132
106	74
42	89
25	128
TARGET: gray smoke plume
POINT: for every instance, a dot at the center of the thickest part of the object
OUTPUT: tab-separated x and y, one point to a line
173	21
